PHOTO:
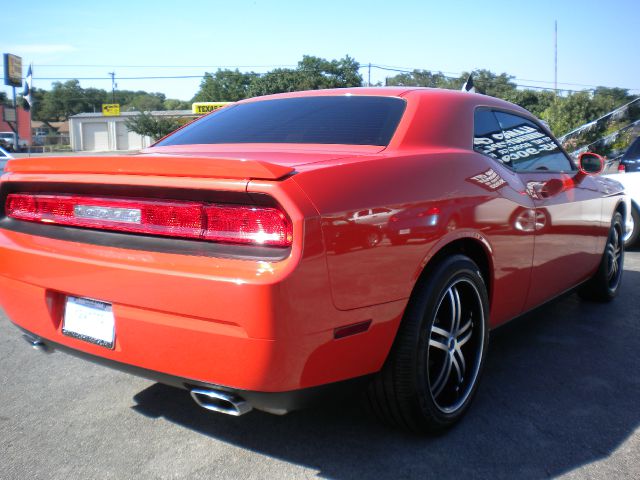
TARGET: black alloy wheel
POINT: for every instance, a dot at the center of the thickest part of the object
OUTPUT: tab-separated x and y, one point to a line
605	283
431	375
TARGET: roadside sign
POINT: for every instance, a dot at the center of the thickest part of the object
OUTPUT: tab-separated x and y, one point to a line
12	70
111	109
200	108
9	114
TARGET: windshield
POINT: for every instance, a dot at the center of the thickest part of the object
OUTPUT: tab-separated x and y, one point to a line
347	120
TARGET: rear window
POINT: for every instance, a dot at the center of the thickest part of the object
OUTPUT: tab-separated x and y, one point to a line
347	120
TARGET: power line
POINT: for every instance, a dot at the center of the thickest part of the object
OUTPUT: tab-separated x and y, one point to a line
363	66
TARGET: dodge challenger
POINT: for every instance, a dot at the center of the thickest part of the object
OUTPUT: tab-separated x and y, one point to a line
286	247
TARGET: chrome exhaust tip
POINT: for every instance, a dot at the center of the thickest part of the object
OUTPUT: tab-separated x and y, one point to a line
219	401
37	343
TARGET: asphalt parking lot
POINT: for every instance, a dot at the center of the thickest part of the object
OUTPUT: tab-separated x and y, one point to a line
560	397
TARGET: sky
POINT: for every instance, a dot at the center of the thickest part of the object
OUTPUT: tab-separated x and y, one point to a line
597	41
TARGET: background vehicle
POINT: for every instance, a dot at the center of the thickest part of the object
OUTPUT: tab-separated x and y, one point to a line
630	161
8	140
4	157
247	257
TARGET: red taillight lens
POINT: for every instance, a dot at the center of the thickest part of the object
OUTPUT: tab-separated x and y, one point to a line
267	226
621	168
213	222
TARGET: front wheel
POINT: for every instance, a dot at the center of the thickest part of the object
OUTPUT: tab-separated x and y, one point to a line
604	285
432	372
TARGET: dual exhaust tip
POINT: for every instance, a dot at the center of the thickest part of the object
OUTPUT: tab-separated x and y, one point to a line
220	401
209	399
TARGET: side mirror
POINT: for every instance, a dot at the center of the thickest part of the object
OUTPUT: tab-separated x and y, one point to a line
590	163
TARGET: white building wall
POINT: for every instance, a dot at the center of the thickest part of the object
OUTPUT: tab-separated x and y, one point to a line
114	125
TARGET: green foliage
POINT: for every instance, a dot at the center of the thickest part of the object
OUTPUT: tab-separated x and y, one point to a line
4	99
68	98
155	127
423	78
173	104
311	73
224	86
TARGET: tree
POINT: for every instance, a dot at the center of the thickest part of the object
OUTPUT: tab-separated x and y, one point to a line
423	78
62	101
224	86
4	100
279	80
316	73
311	73
534	101
173	104
155	127
146	102
567	113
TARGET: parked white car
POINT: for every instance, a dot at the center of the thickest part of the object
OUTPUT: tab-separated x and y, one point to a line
631	183
4	156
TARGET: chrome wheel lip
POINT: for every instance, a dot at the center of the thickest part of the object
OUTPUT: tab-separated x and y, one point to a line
615	256
457	362
629	227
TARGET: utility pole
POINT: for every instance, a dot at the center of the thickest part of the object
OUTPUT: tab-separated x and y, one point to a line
555	61
113	86
369	80
16	140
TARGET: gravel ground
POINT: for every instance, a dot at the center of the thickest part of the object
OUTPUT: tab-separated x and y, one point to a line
560	397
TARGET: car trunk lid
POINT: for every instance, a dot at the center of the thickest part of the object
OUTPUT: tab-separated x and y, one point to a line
250	163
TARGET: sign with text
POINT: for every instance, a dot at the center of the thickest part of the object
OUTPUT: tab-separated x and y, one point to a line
200	108
12	70
9	114
111	109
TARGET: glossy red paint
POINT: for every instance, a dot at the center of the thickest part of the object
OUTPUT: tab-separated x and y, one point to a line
366	222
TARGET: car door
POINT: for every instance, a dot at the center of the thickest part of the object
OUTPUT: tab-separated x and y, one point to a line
506	218
567	203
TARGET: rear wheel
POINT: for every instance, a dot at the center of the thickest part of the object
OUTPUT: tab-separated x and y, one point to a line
604	285
432	372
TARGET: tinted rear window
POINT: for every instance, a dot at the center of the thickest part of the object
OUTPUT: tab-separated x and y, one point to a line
347	120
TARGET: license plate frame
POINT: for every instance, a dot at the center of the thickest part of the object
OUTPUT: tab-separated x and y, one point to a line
89	320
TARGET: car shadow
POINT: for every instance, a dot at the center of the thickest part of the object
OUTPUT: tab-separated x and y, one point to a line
561	389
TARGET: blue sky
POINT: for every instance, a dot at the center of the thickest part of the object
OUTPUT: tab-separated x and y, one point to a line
597	41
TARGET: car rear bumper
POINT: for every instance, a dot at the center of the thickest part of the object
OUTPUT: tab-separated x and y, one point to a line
248	326
278	403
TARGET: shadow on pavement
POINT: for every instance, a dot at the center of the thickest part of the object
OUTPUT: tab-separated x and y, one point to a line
561	389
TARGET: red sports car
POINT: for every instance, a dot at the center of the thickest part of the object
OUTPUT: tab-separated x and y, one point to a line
285	245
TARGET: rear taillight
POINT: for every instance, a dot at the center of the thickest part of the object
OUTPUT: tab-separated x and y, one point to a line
621	168
193	220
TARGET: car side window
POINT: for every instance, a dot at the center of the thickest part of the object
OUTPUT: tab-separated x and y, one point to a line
488	138
530	147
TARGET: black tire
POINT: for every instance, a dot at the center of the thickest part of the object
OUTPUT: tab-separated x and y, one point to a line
604	285
635	233
410	391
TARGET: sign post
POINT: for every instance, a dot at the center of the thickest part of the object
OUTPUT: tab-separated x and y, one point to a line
13	78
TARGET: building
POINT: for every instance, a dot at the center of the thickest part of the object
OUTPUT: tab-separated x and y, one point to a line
95	132
24	123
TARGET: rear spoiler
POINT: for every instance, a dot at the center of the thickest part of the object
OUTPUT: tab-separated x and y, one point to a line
156	165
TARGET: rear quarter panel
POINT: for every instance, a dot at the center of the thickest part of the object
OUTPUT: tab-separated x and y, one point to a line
365	274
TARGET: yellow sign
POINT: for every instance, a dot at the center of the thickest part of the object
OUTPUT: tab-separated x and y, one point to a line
12	70
111	109
200	108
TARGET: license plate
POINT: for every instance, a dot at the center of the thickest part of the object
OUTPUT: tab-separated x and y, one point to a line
89	320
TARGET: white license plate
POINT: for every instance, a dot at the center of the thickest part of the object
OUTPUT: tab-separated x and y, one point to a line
89	320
